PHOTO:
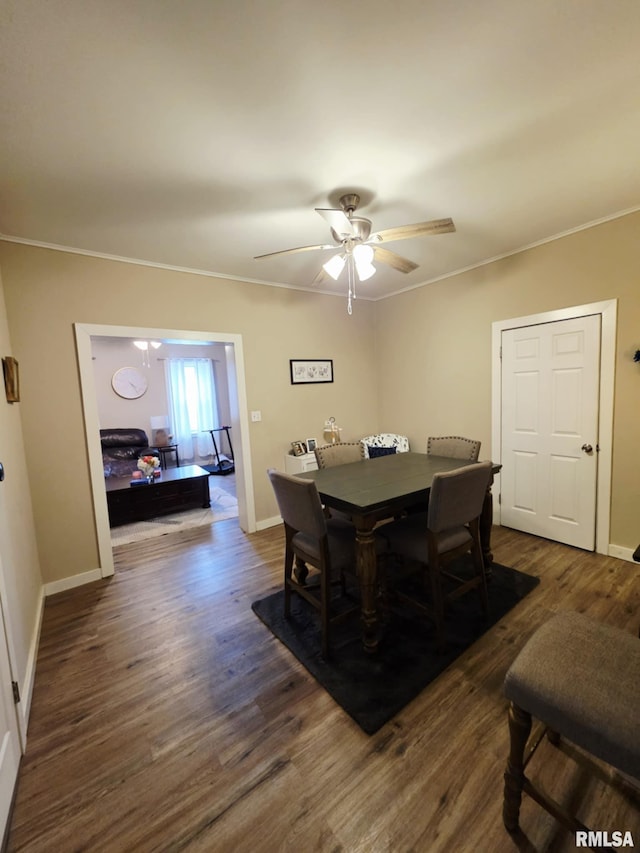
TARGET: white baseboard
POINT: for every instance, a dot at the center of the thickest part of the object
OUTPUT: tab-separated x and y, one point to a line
268	522
622	553
71	582
23	708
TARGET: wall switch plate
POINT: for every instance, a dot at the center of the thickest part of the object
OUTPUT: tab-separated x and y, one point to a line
256	416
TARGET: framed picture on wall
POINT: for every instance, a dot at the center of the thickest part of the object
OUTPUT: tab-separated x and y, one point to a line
305	371
11	379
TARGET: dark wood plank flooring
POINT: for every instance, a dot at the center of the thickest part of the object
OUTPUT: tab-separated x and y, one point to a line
165	717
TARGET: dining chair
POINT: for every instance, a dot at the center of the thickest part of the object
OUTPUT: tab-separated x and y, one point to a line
453	446
433	540
311	539
330	455
339	454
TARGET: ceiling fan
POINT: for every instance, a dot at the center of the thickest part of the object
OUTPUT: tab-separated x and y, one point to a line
358	247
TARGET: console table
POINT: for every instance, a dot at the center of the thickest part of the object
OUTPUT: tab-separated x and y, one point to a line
297	464
176	490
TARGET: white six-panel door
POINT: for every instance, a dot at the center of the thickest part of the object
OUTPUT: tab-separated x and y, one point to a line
550	382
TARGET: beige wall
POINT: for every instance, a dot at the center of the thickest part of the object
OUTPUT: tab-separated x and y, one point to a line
424	356
46	292
20	580
114	411
434	345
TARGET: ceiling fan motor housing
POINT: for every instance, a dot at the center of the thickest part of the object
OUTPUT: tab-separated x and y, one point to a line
349	202
360	230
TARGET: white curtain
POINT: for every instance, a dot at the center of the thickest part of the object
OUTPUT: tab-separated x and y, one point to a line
193	405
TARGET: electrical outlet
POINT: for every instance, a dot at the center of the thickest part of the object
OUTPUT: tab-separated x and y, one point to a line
256	416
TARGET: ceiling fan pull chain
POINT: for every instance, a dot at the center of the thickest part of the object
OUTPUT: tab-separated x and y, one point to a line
351	284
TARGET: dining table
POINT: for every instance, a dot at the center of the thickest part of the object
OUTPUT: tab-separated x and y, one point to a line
372	490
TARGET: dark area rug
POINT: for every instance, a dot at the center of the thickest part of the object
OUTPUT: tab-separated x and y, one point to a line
373	688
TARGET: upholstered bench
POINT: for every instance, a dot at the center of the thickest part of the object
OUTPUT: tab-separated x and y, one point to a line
581	679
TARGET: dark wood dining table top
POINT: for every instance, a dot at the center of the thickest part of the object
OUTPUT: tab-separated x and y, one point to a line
386	482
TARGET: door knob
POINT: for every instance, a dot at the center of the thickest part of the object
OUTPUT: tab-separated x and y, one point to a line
587	448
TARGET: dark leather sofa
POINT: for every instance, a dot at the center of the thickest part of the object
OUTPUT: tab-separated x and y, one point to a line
121	449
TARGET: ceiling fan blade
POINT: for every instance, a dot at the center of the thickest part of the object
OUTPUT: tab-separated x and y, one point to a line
338	220
396	261
292	251
420	229
322	277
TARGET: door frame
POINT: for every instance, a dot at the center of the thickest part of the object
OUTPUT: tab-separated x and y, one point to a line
608	311
14	741
239	420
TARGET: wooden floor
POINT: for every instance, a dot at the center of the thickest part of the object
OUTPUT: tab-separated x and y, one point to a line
166	717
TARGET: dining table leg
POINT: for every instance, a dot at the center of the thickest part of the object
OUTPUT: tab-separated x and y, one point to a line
367	568
486	523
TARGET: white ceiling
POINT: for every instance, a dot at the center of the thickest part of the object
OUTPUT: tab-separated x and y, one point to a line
199	133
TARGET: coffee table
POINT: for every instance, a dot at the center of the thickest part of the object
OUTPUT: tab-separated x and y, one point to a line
176	490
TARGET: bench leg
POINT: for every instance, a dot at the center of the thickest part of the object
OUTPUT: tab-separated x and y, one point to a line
519	730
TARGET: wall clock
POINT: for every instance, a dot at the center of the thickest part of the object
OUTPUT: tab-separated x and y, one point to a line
129	382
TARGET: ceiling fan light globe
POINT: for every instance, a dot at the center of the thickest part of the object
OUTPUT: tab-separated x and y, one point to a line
334	266
363	254
365	270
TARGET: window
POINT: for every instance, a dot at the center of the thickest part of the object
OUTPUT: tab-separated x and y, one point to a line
193	404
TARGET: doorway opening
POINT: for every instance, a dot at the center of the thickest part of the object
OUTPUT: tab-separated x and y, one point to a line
237	403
